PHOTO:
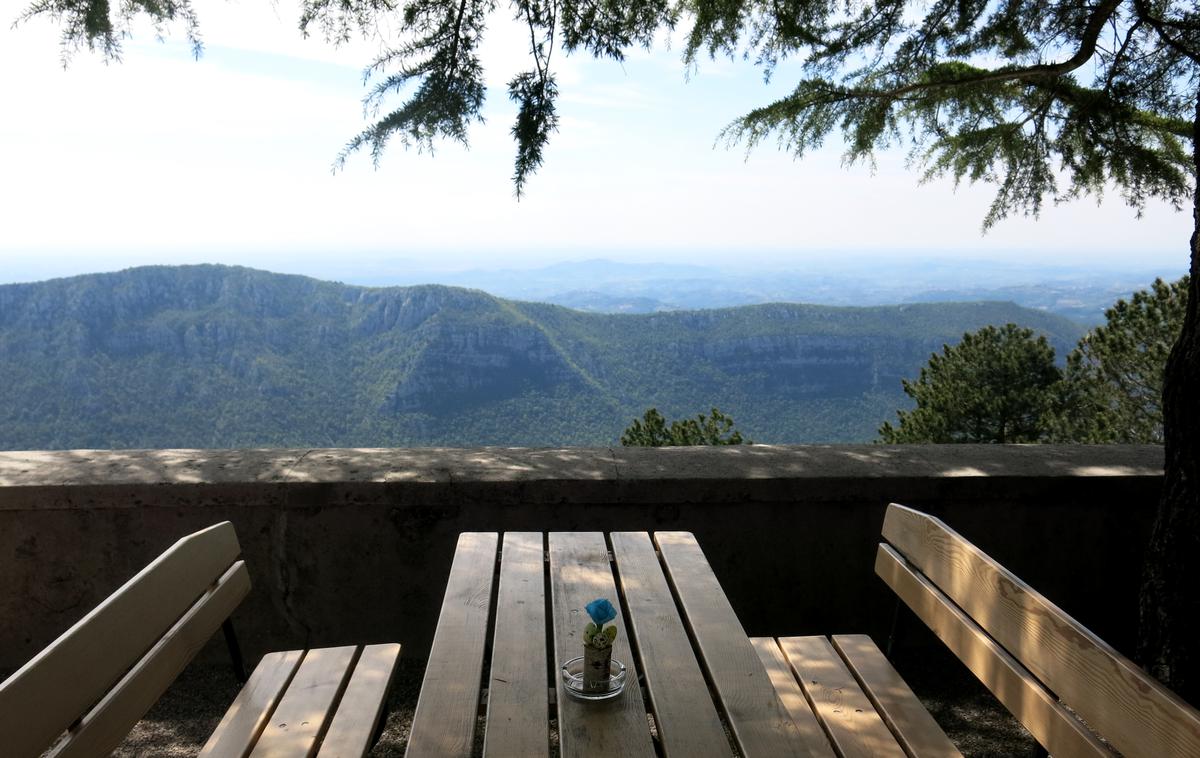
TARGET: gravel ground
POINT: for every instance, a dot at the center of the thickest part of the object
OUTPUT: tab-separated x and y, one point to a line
178	725
182	720
971	717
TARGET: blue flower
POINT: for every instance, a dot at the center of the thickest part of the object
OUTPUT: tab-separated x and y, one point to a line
601	611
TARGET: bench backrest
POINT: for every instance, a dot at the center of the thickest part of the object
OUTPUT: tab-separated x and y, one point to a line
101	676
1034	657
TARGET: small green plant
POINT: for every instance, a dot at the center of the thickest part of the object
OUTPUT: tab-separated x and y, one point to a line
652	431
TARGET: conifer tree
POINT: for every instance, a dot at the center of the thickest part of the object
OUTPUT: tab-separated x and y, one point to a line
993	386
1046	99
652	431
1113	384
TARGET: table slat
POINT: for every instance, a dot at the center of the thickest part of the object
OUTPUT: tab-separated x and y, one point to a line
857	730
358	713
759	721
687	720
893	699
245	719
310	699
518	710
579	573
447	709
792	696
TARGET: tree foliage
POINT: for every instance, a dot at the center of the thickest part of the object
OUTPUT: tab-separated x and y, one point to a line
652	431
98	26
1113	384
993	386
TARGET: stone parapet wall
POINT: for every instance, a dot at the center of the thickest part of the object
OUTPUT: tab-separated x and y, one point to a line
355	545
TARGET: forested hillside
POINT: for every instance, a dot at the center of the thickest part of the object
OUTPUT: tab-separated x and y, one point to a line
213	356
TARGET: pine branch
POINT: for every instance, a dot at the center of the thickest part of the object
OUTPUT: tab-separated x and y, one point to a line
1087	48
1160	25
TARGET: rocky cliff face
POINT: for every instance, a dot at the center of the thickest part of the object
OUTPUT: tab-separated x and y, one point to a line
471	365
211	356
832	366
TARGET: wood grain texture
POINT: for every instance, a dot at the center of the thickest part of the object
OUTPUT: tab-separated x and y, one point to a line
1012	684
295	728
914	727
687	719
792	696
104	726
856	729
1134	712
760	723
518	706
247	716
358	712
579	573
52	690
447	708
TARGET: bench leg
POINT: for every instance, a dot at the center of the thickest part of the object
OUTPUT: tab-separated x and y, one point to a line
894	631
235	652
383	717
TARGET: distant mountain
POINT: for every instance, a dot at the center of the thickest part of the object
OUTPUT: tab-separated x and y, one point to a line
1079	293
213	356
600	302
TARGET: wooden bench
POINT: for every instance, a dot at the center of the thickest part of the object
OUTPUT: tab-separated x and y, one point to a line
83	694
1074	693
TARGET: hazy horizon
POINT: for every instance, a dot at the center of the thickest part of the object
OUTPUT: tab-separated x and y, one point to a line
383	270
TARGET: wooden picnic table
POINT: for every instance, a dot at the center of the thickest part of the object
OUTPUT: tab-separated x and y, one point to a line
696	684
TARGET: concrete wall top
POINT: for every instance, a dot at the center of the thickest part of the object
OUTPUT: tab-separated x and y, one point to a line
441	466
350	546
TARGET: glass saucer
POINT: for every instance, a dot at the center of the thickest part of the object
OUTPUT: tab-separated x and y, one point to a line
572	678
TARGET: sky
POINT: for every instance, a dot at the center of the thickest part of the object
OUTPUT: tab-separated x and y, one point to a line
161	158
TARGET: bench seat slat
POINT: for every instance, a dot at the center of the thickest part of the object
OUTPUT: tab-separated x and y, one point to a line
1138	715
56	687
1012	684
301	716
247	716
107	724
448	706
518	705
580	572
856	729
361	706
792	696
914	727
687	720
757	718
